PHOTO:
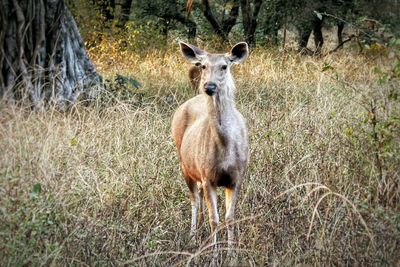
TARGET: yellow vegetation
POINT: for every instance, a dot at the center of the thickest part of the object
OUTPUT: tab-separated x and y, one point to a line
101	184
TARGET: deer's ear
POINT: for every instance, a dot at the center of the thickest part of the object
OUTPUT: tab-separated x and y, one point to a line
239	52
192	53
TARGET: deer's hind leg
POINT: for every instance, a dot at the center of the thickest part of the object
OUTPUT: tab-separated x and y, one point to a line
201	205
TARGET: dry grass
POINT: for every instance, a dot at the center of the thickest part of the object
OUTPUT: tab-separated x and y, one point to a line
111	192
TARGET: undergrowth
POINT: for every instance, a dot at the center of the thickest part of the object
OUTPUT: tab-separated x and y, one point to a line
101	185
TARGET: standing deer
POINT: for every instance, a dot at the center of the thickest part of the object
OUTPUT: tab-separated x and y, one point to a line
211	137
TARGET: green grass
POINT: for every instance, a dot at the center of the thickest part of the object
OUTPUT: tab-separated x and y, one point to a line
101	185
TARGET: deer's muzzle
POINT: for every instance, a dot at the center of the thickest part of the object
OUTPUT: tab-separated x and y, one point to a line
210	88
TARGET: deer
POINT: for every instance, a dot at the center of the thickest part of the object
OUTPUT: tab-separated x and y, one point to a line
212	139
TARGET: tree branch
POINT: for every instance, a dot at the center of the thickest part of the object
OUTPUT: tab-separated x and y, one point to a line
341	44
230	21
205	4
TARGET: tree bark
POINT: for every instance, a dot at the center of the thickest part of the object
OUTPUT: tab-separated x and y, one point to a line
311	21
340	25
190	24
122	12
318	37
221	28
305	28
250	13
208	14
230	21
42	54
106	8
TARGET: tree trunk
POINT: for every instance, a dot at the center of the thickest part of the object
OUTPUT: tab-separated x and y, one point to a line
305	28
304	35
250	14
340	25
42	54
122	12
190	24
106	8
221	28
318	37
230	21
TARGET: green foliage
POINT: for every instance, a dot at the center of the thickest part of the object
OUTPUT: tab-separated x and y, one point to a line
327	66
383	120
394	58
91	23
126	83
143	36
154	24
37	188
34	223
122	88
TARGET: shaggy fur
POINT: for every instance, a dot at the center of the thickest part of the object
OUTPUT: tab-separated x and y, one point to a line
211	136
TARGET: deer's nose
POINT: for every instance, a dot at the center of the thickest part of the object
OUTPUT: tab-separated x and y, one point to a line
210	88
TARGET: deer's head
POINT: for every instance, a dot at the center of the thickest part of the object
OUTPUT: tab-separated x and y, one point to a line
216	76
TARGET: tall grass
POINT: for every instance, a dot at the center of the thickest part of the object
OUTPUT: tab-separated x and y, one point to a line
101	185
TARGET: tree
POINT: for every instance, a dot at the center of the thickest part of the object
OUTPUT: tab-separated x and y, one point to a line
42	53
313	15
114	11
106	8
250	10
305	27
166	14
223	27
273	16
122	12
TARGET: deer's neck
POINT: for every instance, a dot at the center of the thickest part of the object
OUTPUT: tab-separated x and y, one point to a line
221	108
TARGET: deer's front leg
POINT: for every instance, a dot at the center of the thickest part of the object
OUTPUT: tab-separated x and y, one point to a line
194	201
231	198
210	194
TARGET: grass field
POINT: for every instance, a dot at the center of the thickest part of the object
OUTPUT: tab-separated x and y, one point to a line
100	185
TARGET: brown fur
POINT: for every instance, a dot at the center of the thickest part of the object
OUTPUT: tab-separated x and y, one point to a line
194	77
206	140
211	136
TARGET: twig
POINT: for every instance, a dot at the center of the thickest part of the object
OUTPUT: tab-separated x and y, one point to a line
341	44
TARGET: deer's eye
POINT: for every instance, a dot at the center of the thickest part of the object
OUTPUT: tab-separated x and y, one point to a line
224	67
